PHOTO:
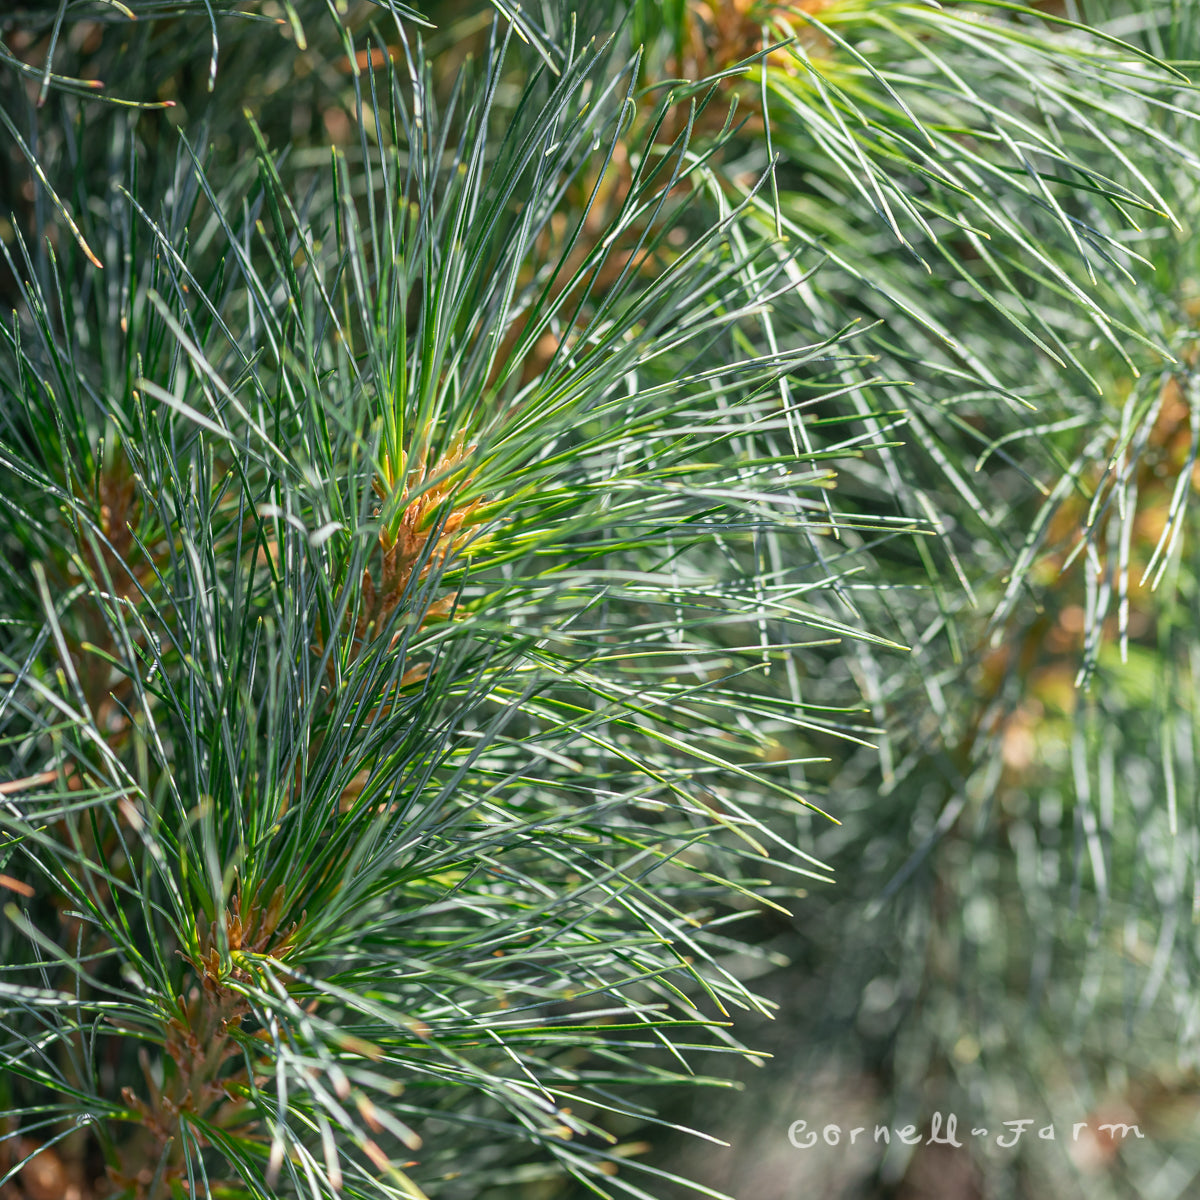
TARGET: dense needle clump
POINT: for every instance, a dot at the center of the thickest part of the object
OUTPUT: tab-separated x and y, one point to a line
480	487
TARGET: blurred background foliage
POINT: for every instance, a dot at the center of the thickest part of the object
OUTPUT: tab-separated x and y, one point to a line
1002	204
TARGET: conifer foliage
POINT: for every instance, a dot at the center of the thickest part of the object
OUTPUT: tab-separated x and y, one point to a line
481	487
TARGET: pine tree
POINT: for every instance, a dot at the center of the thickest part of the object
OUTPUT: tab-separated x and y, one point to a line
484	486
